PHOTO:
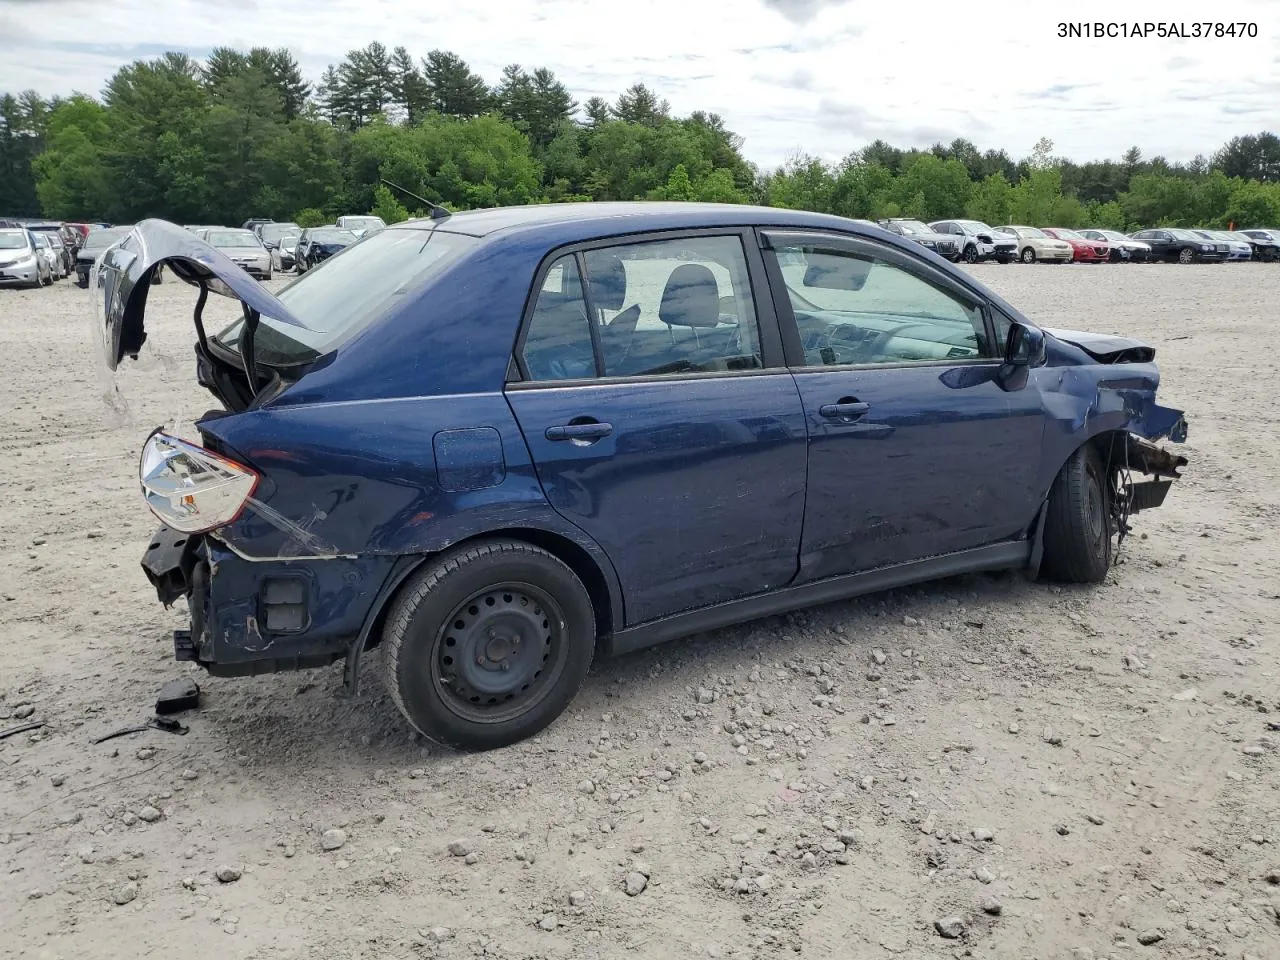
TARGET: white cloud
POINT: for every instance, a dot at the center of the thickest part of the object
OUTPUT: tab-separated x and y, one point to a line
825	76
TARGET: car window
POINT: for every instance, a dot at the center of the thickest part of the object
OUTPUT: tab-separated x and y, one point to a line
854	308
657	307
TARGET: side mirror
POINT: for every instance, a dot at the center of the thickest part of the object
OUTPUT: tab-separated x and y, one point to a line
1025	346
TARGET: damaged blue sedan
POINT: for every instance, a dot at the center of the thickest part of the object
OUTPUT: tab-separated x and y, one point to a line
498	443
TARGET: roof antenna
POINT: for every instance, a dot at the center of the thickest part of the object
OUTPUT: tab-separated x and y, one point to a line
437	212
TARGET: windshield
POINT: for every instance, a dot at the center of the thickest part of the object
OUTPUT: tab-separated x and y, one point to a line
977	226
912	226
1111	235
274	231
13	241
1185	235
361	223
1062	234
332	236
344	294
103	238
232	238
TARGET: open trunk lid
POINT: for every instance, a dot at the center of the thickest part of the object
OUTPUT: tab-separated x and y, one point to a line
121	280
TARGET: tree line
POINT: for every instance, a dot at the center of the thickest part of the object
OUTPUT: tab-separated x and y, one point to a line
243	134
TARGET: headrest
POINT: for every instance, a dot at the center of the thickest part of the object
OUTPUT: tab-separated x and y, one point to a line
608	280
691	297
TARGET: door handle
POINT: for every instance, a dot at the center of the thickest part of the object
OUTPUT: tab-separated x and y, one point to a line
844	410
579	431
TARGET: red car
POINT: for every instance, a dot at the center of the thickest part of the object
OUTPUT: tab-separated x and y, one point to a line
1083	250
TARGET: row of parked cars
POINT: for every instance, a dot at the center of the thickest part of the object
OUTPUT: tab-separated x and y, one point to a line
267	247
973	241
36	253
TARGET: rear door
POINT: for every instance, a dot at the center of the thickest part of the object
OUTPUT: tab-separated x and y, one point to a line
915	449
661	419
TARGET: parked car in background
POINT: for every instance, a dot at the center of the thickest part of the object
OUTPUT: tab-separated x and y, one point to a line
1034	244
318	244
61	233
943	244
280	239
254	222
242	247
1236	249
1082	250
360	225
44	244
196	228
1266	243
1123	249
978	241
22	264
1172	244
97	241
452	444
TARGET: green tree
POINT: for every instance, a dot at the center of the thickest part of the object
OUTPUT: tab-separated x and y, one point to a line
386	206
1105	216
677	187
991	201
310	217
641	105
455	90
72	177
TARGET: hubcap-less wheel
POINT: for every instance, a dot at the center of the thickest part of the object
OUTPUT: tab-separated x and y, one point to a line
498	653
1028	255
1185	255
970	254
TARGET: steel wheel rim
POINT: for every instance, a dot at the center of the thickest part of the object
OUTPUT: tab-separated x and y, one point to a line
499	653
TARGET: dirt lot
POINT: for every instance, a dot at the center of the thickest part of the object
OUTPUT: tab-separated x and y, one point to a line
1070	772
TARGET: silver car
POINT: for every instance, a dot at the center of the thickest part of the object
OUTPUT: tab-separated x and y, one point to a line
242	247
51	256
21	262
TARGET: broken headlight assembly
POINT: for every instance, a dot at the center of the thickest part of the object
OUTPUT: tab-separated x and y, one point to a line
192	489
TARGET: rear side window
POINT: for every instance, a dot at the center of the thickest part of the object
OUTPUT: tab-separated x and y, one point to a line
645	309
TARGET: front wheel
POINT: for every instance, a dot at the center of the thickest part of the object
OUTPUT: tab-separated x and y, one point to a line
1186	255
970	254
487	645
1078	527
1028	255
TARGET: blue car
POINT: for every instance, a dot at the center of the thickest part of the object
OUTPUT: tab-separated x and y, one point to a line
497	443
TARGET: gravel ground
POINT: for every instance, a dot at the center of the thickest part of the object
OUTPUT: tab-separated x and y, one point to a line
982	767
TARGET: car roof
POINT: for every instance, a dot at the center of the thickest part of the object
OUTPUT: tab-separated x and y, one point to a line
608	218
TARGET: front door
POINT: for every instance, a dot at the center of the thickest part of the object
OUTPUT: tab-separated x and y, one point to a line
661	425
915	449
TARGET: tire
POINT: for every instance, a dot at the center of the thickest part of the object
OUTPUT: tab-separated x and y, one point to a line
485	603
1003	258
82	284
1078	527
1028	255
970	254
267	277
1186	255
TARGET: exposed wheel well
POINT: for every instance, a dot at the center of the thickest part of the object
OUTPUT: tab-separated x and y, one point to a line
564	549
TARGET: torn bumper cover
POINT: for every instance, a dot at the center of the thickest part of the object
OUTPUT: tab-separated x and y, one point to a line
1141	454
261	616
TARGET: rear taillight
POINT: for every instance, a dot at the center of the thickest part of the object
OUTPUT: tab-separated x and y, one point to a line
190	488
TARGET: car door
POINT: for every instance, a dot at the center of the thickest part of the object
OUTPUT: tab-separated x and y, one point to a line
915	448
661	419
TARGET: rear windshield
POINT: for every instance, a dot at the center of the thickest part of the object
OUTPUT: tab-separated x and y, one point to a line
332	236
274	231
13	241
103	238
232	238
344	294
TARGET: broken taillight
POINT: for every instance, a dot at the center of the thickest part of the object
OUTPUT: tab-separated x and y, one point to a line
190	488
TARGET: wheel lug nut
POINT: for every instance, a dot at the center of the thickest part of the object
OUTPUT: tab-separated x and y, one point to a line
506	666
480	661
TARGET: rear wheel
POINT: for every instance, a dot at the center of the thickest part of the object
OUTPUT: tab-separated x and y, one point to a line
970	254
1078	527
488	645
1028	255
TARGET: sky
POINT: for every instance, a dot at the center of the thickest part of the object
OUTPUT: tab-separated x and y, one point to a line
822	77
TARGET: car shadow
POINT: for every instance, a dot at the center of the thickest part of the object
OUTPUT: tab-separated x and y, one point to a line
301	720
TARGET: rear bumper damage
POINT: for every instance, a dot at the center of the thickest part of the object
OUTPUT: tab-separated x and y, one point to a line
261	616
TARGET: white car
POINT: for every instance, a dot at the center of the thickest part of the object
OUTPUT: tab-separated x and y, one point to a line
360	225
1035	244
1236	249
1124	249
978	241
52	257
21	263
